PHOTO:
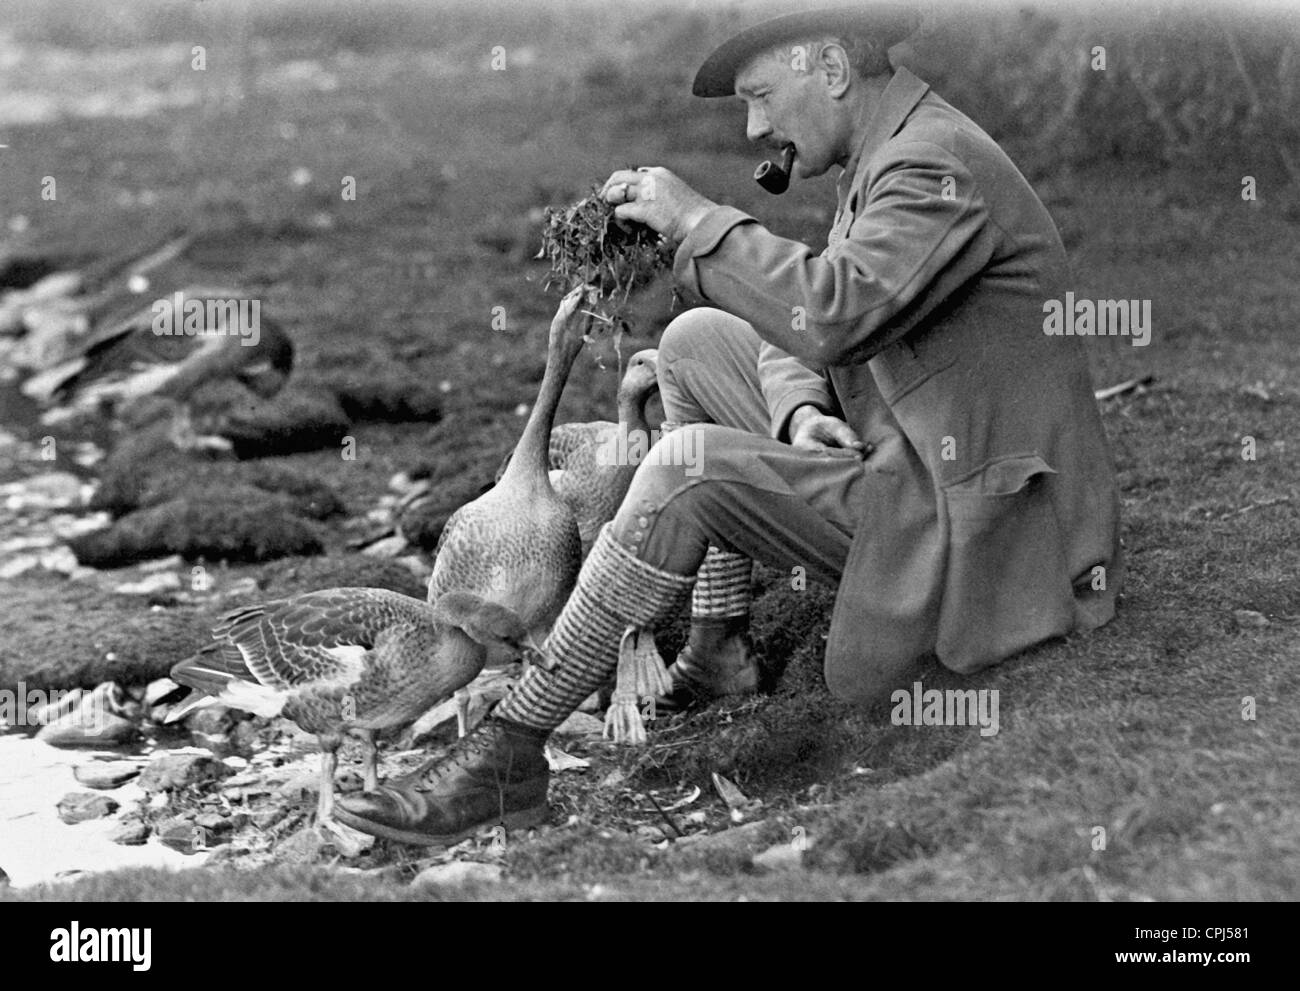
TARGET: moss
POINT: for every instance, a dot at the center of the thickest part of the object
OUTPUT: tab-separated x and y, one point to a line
140	473
56	634
384	395
293	576
232	523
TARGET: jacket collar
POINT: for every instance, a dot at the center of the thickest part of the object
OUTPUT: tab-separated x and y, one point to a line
902	93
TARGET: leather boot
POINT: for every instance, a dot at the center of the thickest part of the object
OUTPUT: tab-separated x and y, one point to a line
496	774
718	660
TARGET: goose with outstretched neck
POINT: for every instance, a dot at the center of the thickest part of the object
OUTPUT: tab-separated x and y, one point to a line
517	544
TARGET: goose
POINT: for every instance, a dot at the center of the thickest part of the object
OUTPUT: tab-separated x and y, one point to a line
129	362
345	660
592	463
517	544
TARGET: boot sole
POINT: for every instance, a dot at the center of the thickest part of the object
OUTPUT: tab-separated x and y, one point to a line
523	819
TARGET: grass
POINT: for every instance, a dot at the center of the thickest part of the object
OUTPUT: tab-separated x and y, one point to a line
1136	730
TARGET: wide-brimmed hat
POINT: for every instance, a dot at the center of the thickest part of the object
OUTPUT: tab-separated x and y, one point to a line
886	22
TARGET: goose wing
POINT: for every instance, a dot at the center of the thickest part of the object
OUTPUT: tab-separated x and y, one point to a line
318	638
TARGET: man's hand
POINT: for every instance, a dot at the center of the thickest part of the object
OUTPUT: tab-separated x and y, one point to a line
657	198
813	430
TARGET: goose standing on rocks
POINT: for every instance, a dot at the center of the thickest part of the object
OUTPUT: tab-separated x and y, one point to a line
517	544
346	660
592	463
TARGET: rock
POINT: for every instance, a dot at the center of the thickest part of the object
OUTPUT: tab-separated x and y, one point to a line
781	857
169	772
106	774
4	877
80	806
303	847
1249	619
96	729
181	835
301	784
52	490
614	779
130	832
57	708
155	584
214	719
214	822
159	689
19	565
216	742
744	839
264	819
387	547
457	873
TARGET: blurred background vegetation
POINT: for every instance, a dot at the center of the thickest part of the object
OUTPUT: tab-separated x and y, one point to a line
1182	83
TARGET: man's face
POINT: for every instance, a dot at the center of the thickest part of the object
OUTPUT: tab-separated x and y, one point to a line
788	103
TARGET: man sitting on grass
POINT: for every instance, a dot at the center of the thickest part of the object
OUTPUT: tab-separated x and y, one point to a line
888	416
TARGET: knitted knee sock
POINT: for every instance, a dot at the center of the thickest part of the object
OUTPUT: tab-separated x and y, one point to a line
616	591
722	590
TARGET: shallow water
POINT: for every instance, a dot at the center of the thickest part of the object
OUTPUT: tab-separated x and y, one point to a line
36	845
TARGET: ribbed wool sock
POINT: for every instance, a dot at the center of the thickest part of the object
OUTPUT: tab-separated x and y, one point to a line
615	590
722	589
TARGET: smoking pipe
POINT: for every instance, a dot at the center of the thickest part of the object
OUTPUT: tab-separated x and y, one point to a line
773	176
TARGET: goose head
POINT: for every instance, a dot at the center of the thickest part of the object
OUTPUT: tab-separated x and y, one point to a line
641	377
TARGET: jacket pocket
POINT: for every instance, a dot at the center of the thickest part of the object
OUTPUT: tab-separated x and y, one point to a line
1007	585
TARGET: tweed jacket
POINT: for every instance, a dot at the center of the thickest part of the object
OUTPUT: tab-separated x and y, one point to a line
994	517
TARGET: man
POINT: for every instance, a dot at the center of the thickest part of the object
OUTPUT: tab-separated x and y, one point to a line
889	416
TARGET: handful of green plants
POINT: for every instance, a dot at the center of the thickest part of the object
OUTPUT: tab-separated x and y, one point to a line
587	245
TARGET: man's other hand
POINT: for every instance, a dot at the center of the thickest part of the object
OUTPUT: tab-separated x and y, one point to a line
657	198
813	430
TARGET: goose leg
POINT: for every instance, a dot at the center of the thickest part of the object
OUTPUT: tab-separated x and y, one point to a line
329	762
370	760
462	711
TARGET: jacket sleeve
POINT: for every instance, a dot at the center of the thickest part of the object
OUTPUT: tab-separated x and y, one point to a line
788	384
923	232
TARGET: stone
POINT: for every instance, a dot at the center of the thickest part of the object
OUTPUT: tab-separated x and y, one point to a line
181	835
1249	619
214	719
387	547
781	857
106	775
130	832
214	822
155	584
171	771
457	873
98	730
81	806
738	839
52	490
159	689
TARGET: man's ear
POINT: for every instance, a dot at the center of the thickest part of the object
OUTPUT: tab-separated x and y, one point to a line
834	62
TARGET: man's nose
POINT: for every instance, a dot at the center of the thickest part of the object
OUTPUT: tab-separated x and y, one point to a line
757	127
